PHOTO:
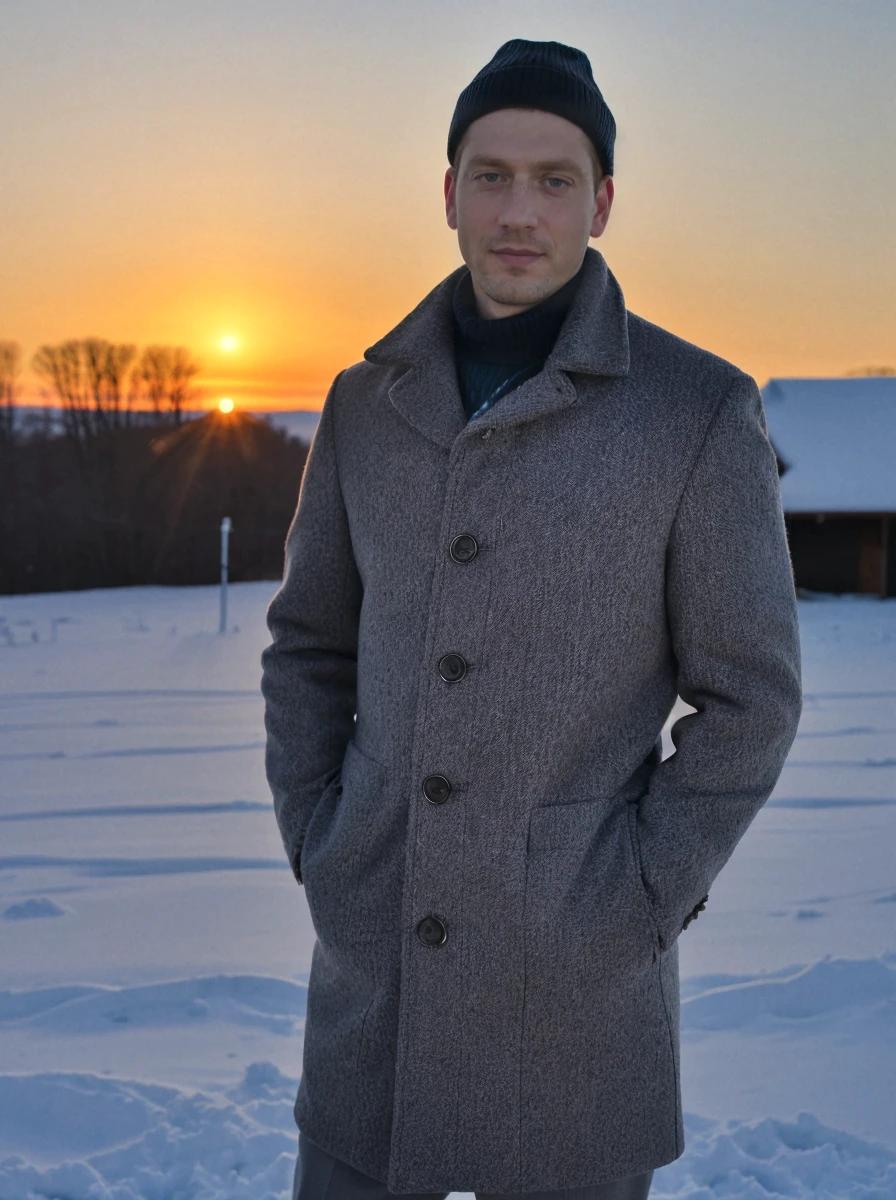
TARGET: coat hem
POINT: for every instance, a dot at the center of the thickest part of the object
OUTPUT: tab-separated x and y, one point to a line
589	1180
337	1151
475	1184
456	1182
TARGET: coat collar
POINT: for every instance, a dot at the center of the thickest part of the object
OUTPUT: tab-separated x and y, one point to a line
593	340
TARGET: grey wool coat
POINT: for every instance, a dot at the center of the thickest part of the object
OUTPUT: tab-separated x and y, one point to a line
480	632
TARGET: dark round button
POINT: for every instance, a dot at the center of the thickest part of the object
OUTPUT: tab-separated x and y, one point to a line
463	547
486	433
436	788
452	667
431	931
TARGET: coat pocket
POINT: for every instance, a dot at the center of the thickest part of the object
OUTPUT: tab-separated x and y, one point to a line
334	843
586	910
635	846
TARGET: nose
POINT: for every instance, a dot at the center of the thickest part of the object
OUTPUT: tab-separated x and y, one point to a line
519	209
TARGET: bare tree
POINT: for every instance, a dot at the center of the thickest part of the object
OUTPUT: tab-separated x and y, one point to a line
89	377
10	365
165	374
106	365
62	369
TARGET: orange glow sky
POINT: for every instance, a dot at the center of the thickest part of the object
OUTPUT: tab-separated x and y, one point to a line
175	173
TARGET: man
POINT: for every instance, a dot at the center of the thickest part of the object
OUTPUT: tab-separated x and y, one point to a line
528	519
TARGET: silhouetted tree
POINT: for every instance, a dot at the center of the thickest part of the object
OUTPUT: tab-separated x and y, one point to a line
98	384
106	365
10	362
164	373
62	367
10	365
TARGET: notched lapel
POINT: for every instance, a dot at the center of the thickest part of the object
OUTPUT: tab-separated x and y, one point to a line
593	340
428	397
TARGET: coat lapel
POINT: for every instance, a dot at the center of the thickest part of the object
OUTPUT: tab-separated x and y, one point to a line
593	340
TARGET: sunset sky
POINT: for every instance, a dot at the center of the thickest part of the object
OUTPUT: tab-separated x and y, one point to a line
180	173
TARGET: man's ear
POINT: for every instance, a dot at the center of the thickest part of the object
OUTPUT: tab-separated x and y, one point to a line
603	204
450	202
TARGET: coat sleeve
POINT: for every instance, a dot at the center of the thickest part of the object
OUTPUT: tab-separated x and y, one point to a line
732	611
309	670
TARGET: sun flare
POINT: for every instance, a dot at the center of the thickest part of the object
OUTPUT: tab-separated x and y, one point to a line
225	404
228	343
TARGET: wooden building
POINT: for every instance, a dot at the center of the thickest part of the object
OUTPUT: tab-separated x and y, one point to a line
835	440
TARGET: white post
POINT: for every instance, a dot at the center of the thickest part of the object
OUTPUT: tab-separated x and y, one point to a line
225	531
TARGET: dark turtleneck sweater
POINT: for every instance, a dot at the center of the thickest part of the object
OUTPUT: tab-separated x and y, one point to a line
496	354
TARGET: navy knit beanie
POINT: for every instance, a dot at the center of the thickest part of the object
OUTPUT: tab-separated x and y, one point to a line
544	75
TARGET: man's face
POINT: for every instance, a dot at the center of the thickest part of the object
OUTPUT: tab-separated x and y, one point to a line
524	180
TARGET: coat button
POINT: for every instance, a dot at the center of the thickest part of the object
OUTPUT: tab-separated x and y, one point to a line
452	667
486	433
463	547
431	931
436	788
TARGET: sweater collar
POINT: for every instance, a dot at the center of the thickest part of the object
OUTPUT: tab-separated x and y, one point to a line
519	338
593	338
593	341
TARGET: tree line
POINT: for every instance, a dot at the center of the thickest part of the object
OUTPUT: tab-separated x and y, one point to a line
124	488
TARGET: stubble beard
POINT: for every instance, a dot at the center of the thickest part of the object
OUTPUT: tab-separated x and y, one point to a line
501	290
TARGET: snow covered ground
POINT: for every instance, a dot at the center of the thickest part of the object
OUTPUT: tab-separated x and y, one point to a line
154	948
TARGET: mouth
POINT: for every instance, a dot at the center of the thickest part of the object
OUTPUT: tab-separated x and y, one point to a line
516	258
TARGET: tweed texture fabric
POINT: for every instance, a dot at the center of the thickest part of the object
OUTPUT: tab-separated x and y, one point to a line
480	631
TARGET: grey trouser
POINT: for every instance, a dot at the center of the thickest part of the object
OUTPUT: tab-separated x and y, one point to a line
319	1176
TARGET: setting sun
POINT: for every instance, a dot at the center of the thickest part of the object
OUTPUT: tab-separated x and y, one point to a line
225	404
228	343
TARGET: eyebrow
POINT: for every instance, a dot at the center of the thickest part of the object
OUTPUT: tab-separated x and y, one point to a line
555	164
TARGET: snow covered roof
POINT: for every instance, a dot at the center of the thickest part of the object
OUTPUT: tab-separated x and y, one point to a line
837	439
